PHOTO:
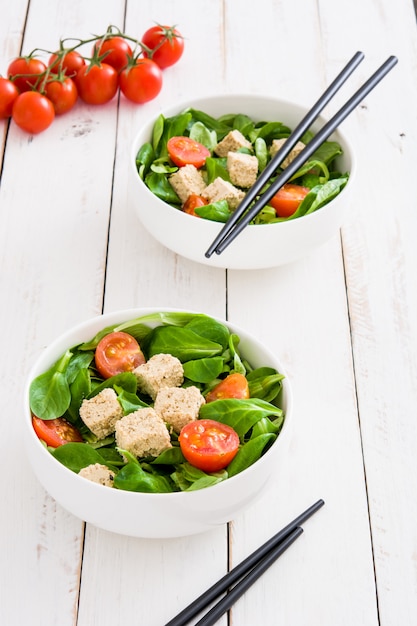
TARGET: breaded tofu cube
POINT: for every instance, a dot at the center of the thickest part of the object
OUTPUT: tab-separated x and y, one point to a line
242	168
98	473
101	413
221	189
161	370
232	142
278	143
178	405
186	181
143	433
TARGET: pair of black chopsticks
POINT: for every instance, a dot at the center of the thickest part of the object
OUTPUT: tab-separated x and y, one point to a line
247	572
235	225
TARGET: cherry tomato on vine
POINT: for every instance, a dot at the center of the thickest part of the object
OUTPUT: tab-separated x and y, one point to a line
56	432
167	43
118	352
30	66
33	112
142	81
8	94
233	386
184	150
288	199
97	83
208	445
192	203
62	93
119	51
70	63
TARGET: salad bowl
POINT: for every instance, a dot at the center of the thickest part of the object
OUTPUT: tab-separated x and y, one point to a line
259	245
152	514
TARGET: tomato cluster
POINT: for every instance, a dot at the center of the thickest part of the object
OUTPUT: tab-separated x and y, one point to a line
34	91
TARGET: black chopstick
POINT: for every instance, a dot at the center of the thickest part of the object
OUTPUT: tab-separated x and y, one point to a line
230	232
286	148
239	589
242	569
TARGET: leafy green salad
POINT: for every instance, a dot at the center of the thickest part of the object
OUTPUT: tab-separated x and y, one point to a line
209	353
318	176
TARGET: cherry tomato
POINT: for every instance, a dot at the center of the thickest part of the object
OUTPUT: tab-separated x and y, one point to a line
56	432
184	150
192	203
118	352
70	63
31	67
167	45
233	386
62	93
97	84
142	81
119	51
33	112
208	445
8	94
288	199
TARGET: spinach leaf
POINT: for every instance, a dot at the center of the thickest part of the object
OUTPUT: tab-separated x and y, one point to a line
49	394
203	370
209	328
160	186
171	456
189	478
241	415
129	401
203	135
216	211
183	343
75	456
265	383
157	131
216	168
261	152
270	131
132	477
249	453
144	159
210	122
80	389
127	380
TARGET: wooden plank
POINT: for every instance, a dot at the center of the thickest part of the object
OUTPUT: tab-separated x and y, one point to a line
381	257
54	211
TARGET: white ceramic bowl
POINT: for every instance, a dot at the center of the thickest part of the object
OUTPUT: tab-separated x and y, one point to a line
258	246
153	515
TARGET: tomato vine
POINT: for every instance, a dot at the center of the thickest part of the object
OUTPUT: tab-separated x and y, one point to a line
117	62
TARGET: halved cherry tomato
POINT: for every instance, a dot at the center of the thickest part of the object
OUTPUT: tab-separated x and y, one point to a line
97	83
8	94
62	93
288	199
56	432
118	51
184	151
192	203
141	81
70	63
233	386
208	445
33	112
30	68
118	352
166	43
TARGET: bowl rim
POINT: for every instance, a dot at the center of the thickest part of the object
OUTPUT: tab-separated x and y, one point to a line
125	315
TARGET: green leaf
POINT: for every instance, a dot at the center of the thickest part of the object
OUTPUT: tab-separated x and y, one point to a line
75	456
250	453
126	380
209	328
182	343
265	383
132	477
241	415
144	159
208	138
216	211
49	393
203	370
129	401
160	186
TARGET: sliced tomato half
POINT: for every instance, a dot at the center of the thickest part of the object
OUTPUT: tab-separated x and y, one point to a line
56	432
288	199
187	151
208	445
118	352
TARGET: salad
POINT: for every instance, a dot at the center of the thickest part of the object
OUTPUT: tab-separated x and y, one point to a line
204	165
224	416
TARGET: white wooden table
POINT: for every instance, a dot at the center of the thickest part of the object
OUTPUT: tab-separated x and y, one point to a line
344	321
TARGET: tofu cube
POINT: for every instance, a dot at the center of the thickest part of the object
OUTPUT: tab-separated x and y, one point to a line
278	143
99	474
178	405
101	413
232	142
143	433
186	181
161	370
221	189
242	168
